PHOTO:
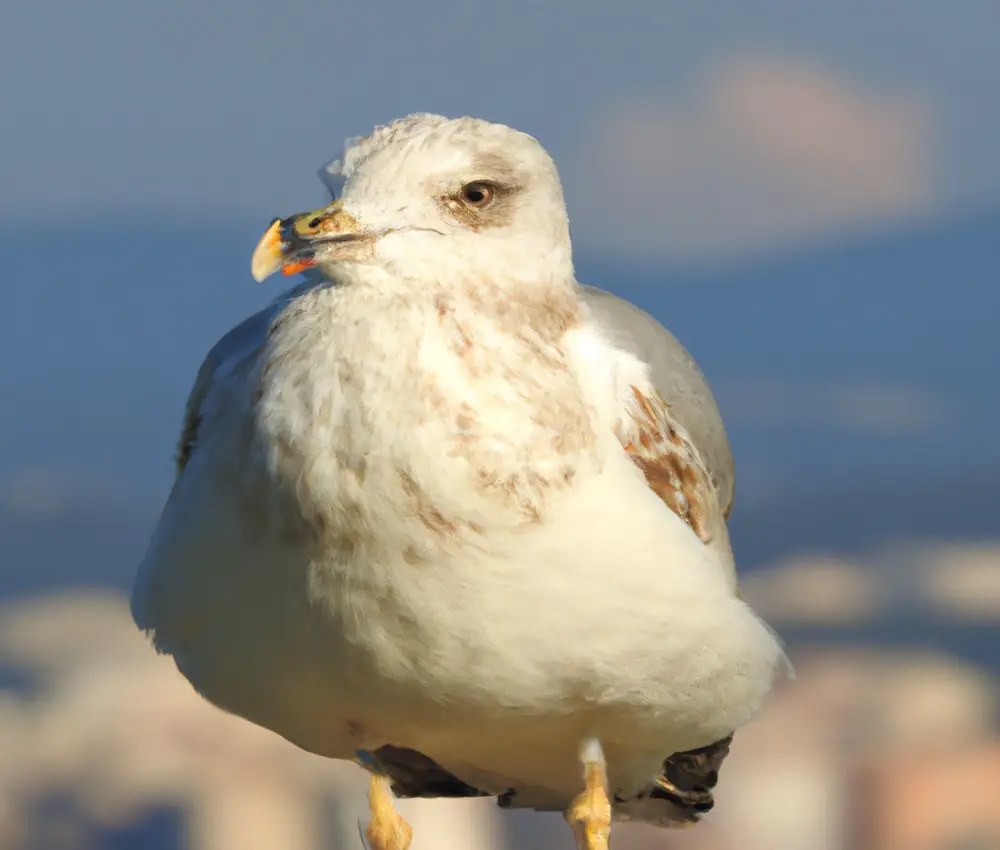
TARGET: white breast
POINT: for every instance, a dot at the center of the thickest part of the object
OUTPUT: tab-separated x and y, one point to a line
419	420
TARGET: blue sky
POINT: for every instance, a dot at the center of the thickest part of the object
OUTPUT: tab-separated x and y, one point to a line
210	108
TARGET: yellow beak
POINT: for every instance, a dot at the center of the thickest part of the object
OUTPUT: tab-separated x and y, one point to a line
291	244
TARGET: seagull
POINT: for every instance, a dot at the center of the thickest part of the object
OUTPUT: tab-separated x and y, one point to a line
442	511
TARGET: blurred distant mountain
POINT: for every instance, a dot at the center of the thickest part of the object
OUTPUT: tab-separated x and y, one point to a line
855	518
859	382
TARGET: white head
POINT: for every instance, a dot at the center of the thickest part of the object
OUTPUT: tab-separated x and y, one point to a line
428	196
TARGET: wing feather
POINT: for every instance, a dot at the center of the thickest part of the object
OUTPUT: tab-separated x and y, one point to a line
673	373
660	446
230	356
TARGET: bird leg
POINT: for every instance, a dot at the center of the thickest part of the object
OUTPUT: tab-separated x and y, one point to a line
589	814
387	830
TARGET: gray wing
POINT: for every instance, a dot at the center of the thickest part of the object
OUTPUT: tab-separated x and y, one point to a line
684	791
676	377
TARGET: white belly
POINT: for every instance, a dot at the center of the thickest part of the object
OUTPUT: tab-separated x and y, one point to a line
610	619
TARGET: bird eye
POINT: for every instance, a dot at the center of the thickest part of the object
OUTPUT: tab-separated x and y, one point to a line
479	194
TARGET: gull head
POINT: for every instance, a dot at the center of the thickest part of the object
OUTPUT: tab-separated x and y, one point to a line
428	197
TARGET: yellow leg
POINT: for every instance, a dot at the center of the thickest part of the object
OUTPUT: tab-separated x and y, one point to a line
590	813
387	830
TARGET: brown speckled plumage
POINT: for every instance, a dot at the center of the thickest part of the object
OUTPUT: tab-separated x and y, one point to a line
670	463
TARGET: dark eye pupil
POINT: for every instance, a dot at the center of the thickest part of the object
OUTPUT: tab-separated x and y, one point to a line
475	195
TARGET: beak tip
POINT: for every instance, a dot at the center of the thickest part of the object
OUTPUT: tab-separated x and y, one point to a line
263	267
268	254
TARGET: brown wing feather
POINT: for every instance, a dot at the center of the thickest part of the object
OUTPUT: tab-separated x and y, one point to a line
670	462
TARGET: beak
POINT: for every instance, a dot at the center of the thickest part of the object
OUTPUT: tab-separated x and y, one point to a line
301	241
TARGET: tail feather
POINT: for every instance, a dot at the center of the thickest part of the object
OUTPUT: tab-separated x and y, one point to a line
683	793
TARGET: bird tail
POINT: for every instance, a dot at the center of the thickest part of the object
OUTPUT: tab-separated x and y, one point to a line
683	793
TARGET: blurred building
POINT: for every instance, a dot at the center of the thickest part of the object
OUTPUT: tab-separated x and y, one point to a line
931	799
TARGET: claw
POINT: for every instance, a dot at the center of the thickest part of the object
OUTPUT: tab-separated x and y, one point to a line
363	836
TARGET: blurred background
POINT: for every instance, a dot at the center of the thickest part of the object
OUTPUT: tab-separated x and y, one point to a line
808	195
